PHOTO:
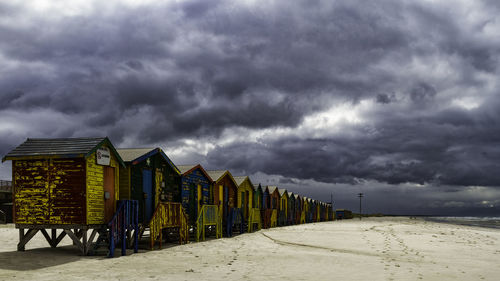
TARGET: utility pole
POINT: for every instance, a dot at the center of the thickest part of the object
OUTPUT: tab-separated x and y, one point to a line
360	195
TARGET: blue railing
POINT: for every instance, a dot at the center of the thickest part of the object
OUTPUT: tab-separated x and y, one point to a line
235	217
125	220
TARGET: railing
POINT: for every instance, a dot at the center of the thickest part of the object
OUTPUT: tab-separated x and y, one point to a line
254	218
166	215
303	217
282	218
125	220
274	218
209	216
235	217
266	217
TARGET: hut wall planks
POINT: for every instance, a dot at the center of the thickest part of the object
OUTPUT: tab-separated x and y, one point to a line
124	183
49	191
95	188
192	180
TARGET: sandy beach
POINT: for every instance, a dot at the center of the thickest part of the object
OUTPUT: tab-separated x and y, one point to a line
371	249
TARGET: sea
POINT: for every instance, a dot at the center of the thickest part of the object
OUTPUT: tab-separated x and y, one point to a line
488	222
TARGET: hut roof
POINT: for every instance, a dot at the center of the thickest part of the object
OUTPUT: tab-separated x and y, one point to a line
240	179
130	154
59	147
216	174
137	155
296	196
271	188
282	191
186	169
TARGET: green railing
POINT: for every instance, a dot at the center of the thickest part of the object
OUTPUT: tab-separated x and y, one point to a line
254	219
209	216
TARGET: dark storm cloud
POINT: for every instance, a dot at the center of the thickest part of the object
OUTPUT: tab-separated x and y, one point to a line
203	70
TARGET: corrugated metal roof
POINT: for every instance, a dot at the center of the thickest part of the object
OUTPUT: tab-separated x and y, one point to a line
55	147
185	168
282	191
240	179
271	188
130	154
256	187
216	174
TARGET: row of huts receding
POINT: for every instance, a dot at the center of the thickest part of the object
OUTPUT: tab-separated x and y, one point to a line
100	196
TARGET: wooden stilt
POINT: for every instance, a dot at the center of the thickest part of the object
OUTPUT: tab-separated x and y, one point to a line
76	240
85	242
59	238
47	237
25	238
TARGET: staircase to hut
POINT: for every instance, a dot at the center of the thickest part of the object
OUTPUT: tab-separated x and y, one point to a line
209	216
254	220
122	231
168	215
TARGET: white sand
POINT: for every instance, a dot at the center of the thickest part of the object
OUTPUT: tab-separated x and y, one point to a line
373	249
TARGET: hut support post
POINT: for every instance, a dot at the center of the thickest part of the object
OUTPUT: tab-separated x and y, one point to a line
25	237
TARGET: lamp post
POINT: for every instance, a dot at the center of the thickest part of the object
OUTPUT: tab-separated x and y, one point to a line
360	195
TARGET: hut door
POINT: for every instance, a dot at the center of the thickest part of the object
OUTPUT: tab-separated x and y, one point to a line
109	193
200	200
226	201
192	202
247	202
147	189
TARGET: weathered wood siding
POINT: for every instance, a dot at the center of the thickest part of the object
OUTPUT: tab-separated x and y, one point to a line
245	188
124	183
49	191
232	195
95	188
169	193
192	180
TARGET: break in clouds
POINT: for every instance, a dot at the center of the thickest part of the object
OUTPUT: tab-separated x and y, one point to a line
397	99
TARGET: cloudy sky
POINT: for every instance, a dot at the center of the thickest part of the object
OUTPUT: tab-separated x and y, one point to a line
397	99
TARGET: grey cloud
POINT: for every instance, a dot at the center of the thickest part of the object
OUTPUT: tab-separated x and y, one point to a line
163	72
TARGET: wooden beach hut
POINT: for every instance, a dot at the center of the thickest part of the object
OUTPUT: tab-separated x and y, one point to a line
283	207
308	209
151	178
291	209
225	195
331	215
71	185
256	215
274	198
266	208
298	209
245	196
197	200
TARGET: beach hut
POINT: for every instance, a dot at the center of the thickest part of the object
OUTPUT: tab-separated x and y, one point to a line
152	179
291	209
308	209
283	207
197	198
274	198
298	209
256	213
245	196
266	208
331	215
71	185
225	195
